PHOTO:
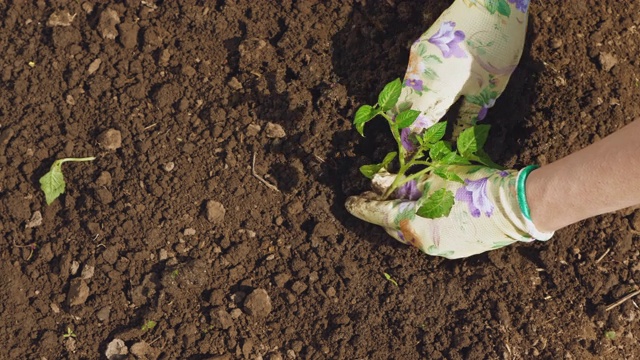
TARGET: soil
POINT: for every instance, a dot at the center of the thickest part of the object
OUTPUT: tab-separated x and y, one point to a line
170	225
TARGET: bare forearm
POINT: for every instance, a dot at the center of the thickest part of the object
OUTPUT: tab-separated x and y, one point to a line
600	178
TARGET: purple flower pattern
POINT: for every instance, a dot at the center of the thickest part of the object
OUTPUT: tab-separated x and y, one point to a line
409	191
415	84
485	109
405	139
521	5
448	40
474	193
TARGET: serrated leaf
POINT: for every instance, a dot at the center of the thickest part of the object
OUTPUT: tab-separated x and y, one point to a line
472	139
52	183
439	150
447	175
437	205
503	8
364	114
407	118
454	159
389	95
435	133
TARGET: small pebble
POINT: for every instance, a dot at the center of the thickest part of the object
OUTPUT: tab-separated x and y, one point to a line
103	314
258	303
607	61
74	267
142	350
94	66
169	166
109	18
60	18
215	212
234	84
78	292
236	313
55	308
189	232
116	350
87	272
253	130
275	131
110	139
36	220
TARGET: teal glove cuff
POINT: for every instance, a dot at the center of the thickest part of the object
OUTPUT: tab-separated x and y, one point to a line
524	205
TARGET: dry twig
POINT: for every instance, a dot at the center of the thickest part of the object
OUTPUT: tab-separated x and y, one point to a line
262	180
621	301
603	255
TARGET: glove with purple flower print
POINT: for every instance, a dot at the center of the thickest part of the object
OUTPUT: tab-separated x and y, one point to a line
490	211
470	51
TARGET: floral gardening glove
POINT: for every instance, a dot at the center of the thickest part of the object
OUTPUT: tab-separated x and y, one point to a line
471	51
490	211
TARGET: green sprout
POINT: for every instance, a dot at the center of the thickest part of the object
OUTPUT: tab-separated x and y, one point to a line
69	334
388	277
52	183
148	325
174	273
432	153
611	335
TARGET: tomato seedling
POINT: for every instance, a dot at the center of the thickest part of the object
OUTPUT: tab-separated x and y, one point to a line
426	150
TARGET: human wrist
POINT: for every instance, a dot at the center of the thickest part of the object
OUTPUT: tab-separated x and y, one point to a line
528	190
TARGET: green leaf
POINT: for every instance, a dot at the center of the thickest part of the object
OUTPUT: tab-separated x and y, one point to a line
437	205
388	159
388	277
454	159
435	133
52	183
370	170
472	139
389	95
150	324
407	118
363	115
503	8
447	175
439	150
484	159
611	335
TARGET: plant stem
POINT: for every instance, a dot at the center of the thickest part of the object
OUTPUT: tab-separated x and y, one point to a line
396	136
90	158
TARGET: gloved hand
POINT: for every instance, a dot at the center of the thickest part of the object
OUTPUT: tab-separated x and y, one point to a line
490	211
471	51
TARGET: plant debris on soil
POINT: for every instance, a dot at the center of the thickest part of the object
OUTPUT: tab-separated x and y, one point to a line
169	223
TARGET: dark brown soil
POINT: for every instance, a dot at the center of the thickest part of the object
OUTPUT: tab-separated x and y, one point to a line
189	83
